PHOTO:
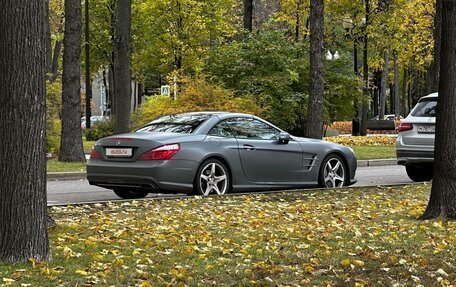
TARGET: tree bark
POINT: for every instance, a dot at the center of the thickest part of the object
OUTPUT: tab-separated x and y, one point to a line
317	57
382	105
23	213
432	79
122	75
442	202
71	148
248	15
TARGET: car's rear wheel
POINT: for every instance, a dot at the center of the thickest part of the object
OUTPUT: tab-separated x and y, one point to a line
130	193
419	173
212	177
333	172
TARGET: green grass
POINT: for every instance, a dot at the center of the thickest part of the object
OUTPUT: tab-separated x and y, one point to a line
355	237
54	165
374	152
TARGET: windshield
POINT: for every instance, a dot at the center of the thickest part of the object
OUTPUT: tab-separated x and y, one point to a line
425	108
181	123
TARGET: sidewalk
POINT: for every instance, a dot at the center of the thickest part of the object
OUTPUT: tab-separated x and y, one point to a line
77	175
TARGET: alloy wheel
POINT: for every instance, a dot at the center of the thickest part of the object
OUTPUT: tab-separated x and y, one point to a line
334	173
213	179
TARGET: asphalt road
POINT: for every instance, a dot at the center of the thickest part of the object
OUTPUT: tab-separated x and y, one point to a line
79	191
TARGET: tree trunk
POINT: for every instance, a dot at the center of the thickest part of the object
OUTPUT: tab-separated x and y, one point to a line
442	202
392	101
111	101
71	148
47	34
54	65
397	95
23	213
432	79
248	15
404	93
298	20
365	104
122	75
317	57
376	94
382	105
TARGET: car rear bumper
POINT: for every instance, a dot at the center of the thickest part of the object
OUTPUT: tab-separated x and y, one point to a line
407	157
173	176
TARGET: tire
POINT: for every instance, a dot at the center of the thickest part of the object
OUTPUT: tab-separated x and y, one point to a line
419	173
212	177
130	193
333	172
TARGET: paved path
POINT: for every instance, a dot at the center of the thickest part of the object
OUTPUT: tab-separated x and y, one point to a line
78	190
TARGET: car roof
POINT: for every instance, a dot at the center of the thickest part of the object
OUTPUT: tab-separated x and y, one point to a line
433	95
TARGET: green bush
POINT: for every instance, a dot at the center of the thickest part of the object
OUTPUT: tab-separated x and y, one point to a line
53	123
100	130
53	130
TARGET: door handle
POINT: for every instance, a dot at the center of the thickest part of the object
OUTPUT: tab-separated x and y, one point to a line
249	147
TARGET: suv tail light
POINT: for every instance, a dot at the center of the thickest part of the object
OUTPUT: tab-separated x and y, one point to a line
404	127
164	152
95	154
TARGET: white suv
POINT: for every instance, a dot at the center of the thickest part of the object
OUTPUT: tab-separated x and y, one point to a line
415	142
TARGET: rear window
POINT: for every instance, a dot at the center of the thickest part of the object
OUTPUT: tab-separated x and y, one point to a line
425	108
181	123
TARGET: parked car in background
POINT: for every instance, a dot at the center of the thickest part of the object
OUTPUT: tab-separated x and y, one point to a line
390	117
214	153
93	119
415	141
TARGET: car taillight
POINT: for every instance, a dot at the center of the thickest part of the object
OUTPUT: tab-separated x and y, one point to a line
404	127
95	154
164	152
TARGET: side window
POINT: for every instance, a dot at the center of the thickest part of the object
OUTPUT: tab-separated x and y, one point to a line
221	130
247	128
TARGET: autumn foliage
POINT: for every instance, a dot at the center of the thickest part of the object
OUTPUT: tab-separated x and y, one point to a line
196	95
375	140
346	237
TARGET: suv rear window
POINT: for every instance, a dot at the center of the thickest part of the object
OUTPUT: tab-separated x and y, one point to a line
425	108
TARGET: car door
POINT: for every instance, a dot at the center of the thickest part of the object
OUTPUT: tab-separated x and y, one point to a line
263	158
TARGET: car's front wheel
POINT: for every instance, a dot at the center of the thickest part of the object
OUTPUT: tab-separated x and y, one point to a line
130	193
419	173
333	172
212	177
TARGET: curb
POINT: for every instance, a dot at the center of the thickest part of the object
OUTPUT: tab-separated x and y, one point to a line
377	162
56	176
80	175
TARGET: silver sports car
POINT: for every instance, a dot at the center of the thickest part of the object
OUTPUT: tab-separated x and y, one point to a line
215	153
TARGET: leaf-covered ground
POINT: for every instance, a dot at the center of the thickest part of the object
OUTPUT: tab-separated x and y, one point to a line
350	237
377	140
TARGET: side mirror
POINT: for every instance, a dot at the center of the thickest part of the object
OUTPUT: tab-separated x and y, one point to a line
284	138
